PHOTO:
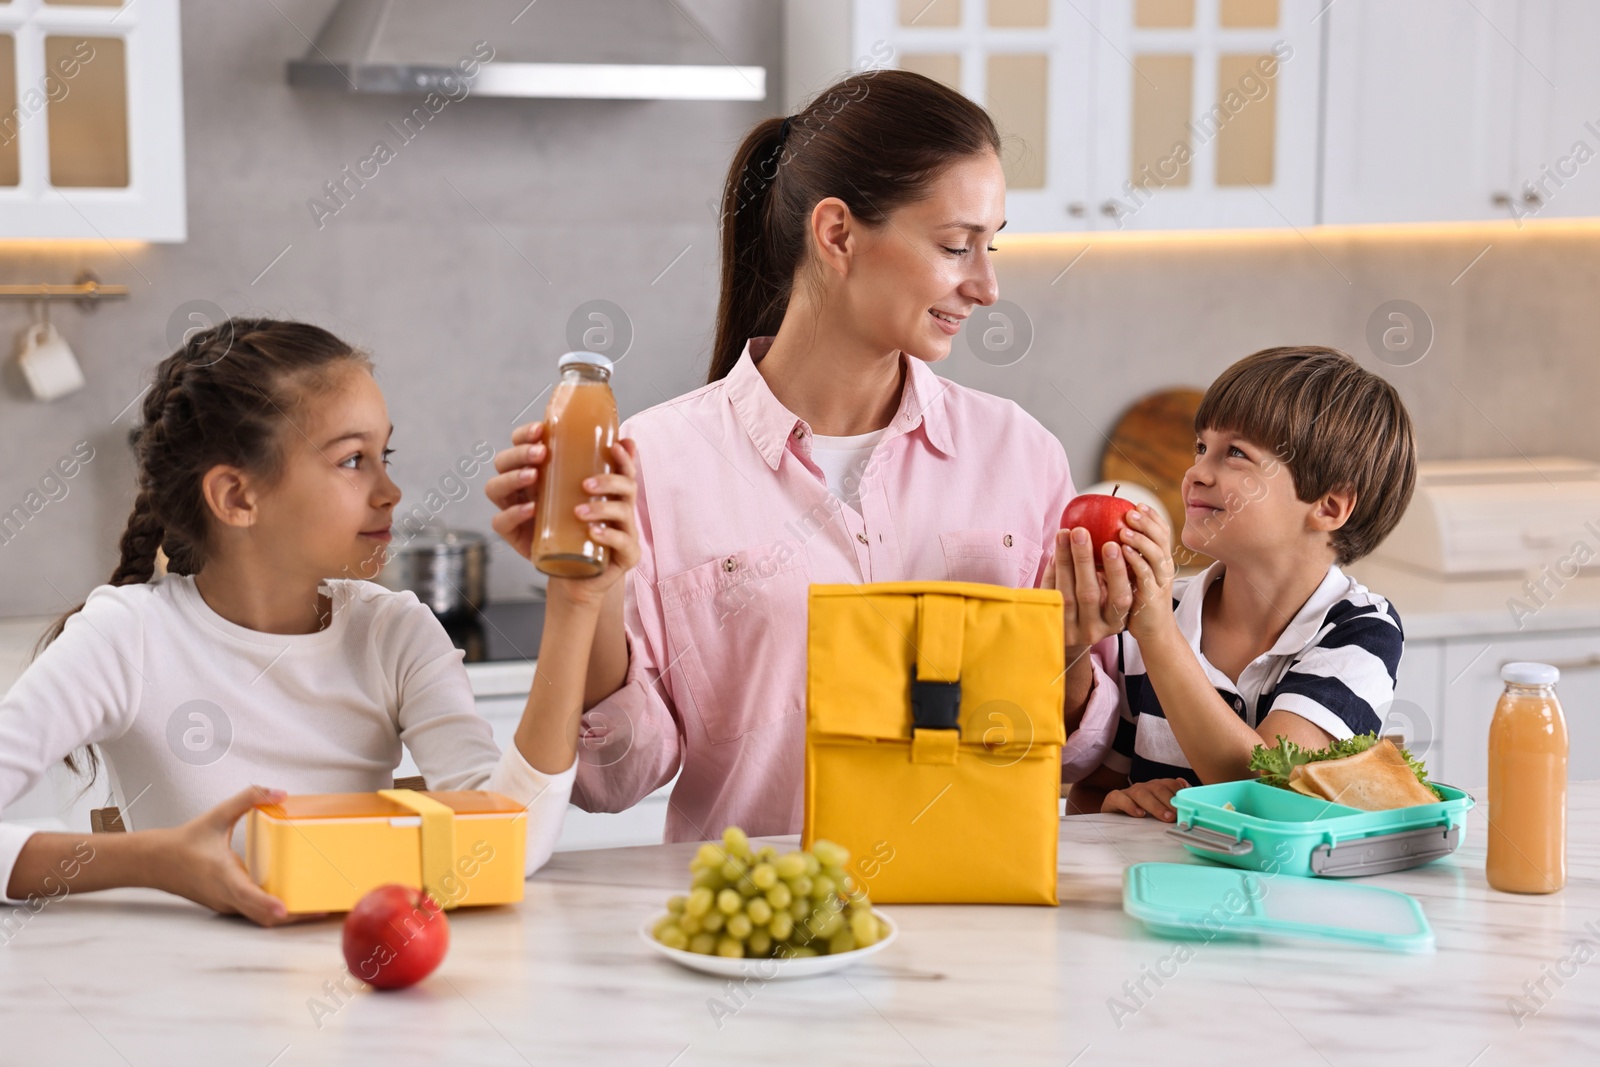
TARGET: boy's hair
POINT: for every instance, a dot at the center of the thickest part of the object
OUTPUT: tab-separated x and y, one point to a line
1333	423
225	397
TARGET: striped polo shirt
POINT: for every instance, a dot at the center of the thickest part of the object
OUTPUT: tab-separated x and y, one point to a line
1334	664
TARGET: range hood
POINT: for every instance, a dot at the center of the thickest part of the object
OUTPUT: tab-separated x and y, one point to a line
595	49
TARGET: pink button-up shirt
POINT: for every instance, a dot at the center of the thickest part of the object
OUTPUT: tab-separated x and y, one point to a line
736	521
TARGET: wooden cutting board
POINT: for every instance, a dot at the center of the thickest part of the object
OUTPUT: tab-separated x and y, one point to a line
1152	445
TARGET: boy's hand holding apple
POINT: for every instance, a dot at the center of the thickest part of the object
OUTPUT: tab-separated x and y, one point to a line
1147	546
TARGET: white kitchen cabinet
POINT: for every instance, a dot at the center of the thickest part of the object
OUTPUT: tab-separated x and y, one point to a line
1471	686
1555	144
91	120
1030	62
1418	110
1139	114
1440	110
642	824
1205	113
1414	714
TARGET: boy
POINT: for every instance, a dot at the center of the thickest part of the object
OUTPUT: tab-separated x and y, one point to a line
1304	462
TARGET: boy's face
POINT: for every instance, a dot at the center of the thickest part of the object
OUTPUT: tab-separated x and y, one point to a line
1239	500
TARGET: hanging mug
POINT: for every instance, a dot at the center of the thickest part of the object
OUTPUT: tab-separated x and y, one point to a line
48	364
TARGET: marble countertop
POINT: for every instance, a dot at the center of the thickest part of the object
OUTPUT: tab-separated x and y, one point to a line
135	977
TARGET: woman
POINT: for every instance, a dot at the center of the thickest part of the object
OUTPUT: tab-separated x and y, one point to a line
823	449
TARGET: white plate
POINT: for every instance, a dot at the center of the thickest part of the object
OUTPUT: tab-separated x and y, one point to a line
768	969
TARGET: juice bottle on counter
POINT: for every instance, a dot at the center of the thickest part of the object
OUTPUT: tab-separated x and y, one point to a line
1528	783
580	426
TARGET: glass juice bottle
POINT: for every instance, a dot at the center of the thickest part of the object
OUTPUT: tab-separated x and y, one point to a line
1528	783
580	426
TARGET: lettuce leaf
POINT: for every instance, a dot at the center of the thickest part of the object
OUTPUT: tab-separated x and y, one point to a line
1275	764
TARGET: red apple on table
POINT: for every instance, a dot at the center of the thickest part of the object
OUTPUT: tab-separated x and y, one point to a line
1101	514
395	936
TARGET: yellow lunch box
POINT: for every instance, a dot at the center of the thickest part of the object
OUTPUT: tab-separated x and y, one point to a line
324	851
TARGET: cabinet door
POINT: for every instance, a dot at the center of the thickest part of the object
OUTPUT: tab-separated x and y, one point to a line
91	120
1205	113
1555	155
1419	110
1473	686
1027	62
1417	712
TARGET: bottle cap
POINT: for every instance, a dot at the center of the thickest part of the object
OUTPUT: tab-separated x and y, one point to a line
1530	673
593	359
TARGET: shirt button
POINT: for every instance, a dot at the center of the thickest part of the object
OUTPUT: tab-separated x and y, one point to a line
861	537
1008	540
730	564
799	431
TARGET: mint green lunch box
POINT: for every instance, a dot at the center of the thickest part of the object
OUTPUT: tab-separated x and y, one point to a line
1260	827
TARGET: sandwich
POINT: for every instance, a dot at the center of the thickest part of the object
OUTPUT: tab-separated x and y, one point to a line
1363	772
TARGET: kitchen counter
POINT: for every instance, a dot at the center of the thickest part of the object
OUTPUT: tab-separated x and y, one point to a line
134	976
1432	607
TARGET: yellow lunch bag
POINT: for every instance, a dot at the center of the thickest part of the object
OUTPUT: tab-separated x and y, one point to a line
933	738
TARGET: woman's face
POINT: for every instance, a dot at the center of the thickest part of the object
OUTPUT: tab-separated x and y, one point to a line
928	266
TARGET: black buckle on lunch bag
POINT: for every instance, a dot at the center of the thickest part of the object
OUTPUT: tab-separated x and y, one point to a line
935	705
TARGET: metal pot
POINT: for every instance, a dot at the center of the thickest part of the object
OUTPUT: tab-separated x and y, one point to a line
444	568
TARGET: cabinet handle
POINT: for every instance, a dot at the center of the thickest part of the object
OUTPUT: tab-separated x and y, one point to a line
1532	198
1077	209
1585	663
1500	200
1109	209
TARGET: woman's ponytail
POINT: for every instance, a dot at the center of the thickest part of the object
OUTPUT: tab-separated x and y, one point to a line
755	292
876	140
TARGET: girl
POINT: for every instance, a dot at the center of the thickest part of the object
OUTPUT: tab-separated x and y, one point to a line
856	238
262	473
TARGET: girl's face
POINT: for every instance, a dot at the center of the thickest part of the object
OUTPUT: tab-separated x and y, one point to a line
928	266
330	512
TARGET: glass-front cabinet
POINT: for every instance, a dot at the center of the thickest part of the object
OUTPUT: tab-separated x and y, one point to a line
91	120
1128	114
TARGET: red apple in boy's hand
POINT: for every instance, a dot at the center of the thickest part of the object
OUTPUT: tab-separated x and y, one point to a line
395	936
1101	515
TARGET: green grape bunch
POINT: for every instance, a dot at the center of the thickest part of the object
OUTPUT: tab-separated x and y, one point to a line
749	903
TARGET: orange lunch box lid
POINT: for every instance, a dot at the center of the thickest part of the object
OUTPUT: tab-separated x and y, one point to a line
376	806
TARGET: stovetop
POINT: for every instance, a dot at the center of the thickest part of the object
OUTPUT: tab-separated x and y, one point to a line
499	632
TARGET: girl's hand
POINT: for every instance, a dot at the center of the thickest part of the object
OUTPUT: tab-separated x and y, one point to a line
198	862
1095	603
514	489
1153	797
1149	554
612	523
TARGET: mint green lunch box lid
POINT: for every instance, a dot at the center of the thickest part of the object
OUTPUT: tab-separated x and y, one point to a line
1277	831
1198	901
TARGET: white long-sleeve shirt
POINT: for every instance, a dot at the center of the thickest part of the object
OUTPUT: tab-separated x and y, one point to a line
189	708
